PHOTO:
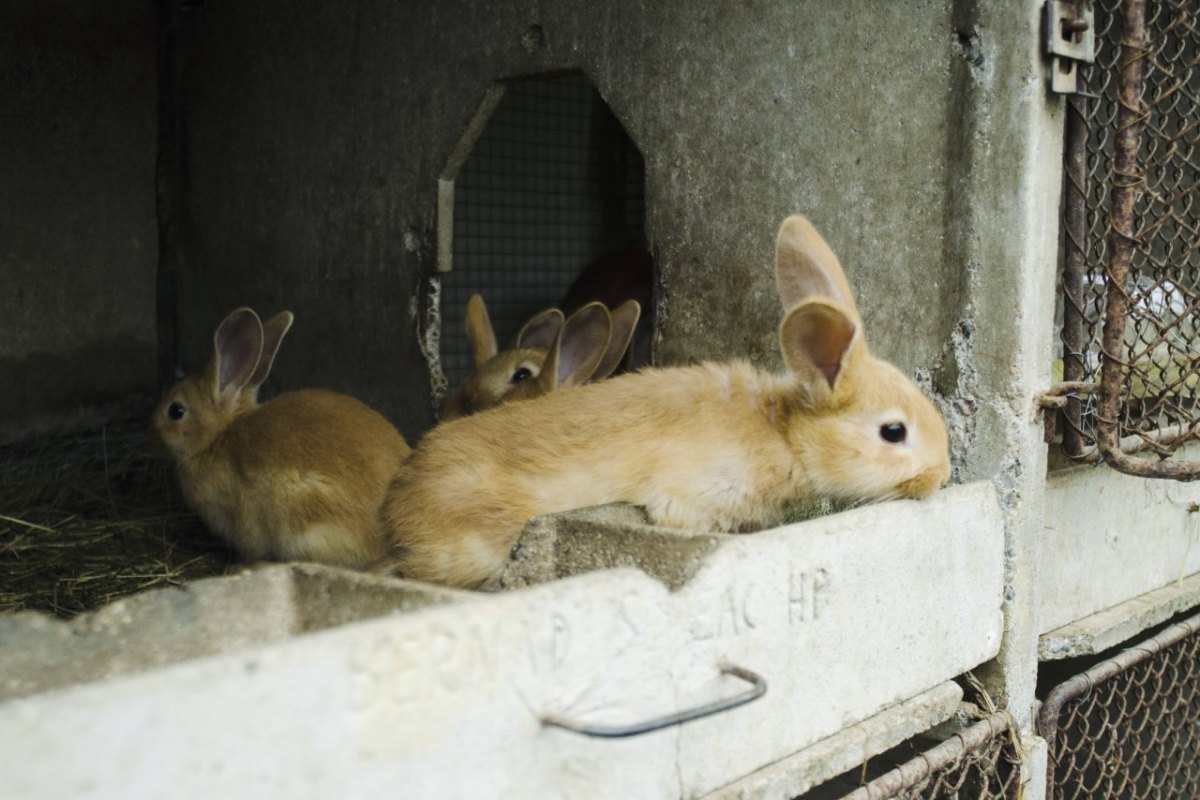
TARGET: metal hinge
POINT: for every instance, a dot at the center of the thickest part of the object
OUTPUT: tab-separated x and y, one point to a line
1069	38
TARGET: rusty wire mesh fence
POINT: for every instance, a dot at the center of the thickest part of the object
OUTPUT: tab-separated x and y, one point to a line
981	763
1129	728
1131	218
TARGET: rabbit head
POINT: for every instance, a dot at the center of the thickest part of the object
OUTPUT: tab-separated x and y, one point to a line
197	409
574	356
865	429
548	354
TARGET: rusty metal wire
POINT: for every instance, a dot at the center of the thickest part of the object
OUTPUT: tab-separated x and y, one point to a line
1131	278
980	763
1129	727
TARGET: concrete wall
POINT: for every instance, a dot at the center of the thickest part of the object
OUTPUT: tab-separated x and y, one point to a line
919	136
314	142
78	238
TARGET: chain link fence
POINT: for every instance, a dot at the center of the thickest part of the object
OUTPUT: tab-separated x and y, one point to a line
1129	727
981	763
1131	219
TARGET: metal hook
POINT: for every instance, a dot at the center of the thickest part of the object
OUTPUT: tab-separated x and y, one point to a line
757	690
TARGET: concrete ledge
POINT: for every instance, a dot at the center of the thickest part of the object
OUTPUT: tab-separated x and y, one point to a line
844	616
201	618
1110	538
604	537
1113	626
846	749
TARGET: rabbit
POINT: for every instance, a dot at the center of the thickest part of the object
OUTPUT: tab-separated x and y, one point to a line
709	447
297	478
591	344
624	275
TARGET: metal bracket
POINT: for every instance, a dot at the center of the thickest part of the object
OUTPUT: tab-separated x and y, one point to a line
1069	38
758	687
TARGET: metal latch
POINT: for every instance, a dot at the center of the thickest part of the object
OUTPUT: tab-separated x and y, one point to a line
1069	38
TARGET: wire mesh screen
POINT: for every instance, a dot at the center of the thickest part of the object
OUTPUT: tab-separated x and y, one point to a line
1132	225
1129	728
980	763
552	184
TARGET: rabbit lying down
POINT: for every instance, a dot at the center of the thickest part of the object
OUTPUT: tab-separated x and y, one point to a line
712	447
299	477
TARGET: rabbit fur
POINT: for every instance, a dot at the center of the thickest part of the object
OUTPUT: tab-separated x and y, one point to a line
299	477
587	346
711	447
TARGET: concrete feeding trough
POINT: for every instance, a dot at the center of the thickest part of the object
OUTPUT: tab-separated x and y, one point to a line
447	693
1119	555
202	618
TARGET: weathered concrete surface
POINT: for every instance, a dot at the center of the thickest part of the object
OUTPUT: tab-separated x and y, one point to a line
1112	626
1110	538
202	618
832	612
604	537
1005	159
1033	770
796	774
78	238
315	143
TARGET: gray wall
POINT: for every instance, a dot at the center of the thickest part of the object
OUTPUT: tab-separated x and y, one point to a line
78	235
316	134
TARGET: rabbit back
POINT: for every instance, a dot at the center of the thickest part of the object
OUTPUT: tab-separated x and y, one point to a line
299	477
694	445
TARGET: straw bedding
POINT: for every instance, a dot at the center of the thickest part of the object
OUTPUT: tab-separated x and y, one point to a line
92	516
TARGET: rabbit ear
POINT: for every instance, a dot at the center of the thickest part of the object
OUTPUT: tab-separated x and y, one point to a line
479	330
539	332
624	320
578	348
806	268
274	330
237	345
818	341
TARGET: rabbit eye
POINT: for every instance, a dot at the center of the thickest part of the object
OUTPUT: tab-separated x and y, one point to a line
894	432
176	411
521	374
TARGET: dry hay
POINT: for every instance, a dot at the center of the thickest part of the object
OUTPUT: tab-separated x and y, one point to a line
90	517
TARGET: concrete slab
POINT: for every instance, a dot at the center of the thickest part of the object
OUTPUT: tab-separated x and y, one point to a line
1110	538
604	537
1113	626
202	618
1034	770
844	617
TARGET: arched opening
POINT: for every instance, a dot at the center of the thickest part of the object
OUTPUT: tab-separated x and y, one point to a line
551	184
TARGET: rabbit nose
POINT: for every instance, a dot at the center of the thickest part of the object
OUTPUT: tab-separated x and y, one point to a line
925	483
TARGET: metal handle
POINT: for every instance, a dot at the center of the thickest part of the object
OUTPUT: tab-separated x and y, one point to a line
757	689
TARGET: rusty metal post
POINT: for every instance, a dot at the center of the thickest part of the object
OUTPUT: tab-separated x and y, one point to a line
1074	340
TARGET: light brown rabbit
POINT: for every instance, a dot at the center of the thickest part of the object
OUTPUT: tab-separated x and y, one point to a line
591	342
299	477
713	447
612	279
